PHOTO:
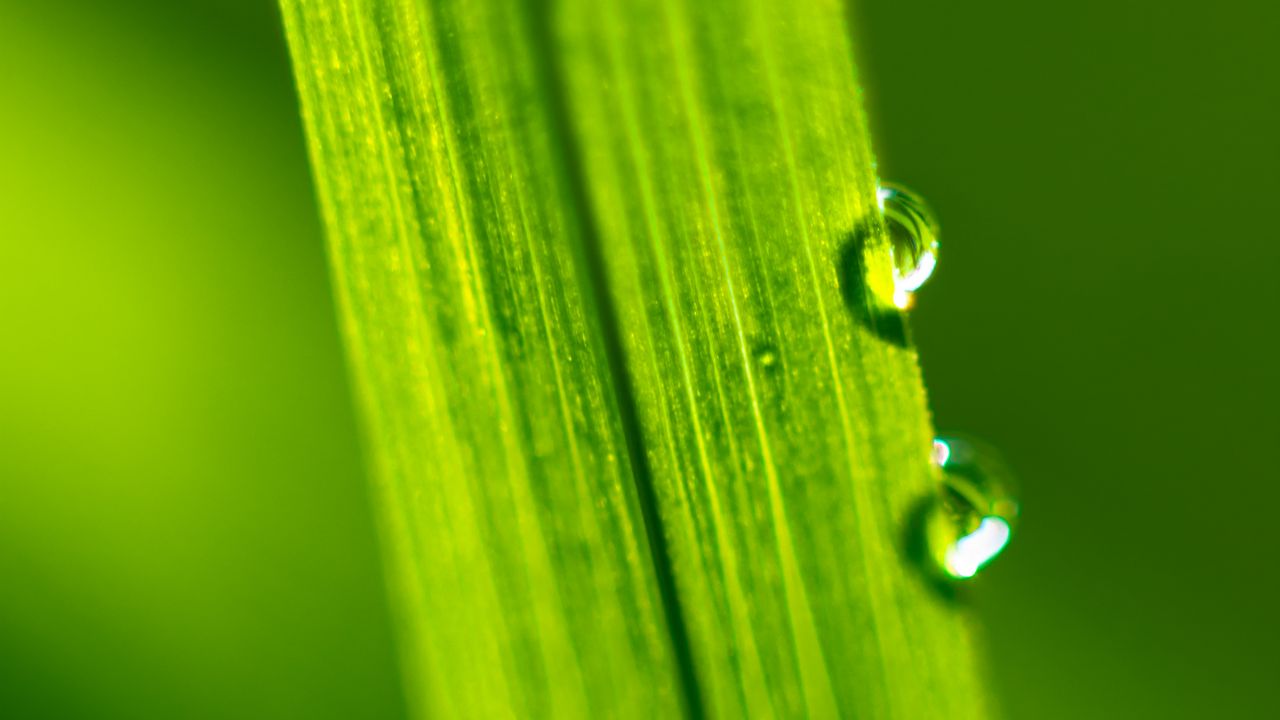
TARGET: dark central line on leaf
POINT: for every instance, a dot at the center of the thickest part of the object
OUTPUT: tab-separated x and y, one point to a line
593	274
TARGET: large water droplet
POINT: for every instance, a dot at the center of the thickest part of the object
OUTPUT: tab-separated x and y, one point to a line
975	513
913	240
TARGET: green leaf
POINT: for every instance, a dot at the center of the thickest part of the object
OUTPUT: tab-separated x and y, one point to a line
642	444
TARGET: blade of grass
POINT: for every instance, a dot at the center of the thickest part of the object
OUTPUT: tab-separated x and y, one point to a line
727	161
635	454
518	557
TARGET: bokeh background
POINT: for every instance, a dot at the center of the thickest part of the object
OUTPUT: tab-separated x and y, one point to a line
184	529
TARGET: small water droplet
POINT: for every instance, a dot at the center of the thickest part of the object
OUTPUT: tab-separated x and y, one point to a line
766	356
974	515
913	240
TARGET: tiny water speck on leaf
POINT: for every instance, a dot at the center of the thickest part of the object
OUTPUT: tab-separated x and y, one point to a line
766	356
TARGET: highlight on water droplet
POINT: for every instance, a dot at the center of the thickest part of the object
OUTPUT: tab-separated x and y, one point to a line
973	517
913	240
968	554
941	452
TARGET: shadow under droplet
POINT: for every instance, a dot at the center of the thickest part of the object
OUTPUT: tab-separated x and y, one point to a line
885	322
915	545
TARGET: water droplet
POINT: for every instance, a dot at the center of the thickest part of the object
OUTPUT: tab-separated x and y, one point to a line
974	515
913	240
766	356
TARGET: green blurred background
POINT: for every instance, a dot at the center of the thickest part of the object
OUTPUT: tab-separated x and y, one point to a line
184	529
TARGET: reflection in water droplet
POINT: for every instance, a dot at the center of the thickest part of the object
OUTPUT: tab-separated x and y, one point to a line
913	240
974	516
